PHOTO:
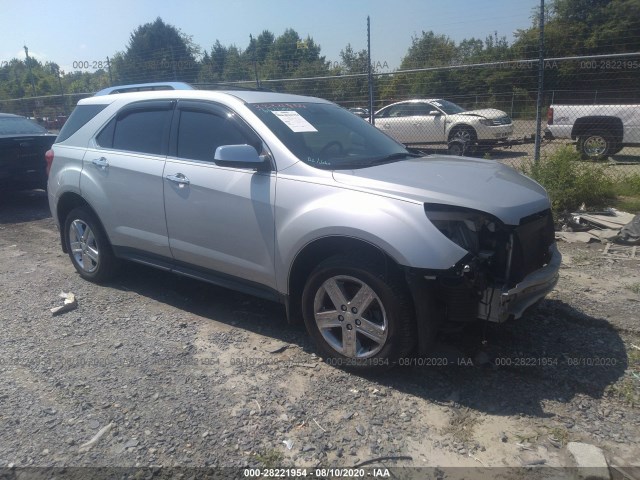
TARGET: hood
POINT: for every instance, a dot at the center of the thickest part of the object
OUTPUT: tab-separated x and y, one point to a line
484	185
490	113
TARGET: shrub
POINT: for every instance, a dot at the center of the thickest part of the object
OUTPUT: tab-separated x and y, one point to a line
571	182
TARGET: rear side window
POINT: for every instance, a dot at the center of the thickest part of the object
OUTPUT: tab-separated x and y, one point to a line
141	129
80	116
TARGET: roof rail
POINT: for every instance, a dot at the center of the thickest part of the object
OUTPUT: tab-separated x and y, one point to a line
144	87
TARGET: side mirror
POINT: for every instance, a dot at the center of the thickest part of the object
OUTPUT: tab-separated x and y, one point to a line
435	113
240	156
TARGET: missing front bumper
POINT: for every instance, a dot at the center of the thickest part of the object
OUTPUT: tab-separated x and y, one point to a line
498	304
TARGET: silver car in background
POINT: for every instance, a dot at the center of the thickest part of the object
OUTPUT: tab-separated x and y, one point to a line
297	200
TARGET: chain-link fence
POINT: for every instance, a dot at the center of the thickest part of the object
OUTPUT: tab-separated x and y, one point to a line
477	98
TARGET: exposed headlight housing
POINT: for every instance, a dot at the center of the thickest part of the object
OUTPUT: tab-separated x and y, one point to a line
486	121
463	226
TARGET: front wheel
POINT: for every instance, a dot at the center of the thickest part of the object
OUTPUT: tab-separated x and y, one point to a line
596	144
88	246
466	135
358	316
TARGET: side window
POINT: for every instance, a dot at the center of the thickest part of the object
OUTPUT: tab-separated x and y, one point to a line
422	109
201	132
105	137
78	119
143	129
396	111
431	108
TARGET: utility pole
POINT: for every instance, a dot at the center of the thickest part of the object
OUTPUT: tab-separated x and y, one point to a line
109	69
536	149
370	74
255	61
58	72
33	84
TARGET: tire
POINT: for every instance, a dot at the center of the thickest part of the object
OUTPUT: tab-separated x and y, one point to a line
353	332
88	246
596	144
457	148
463	134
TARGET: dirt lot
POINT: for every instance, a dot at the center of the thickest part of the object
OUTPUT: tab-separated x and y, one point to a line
187	374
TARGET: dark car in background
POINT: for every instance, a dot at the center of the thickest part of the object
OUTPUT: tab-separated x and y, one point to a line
23	144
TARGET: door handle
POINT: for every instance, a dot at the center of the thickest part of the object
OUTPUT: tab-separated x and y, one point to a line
101	163
178	178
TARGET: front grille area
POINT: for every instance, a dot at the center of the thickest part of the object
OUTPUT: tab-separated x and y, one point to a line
531	242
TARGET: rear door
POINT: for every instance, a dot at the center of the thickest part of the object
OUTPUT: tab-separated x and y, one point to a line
122	178
395	121
220	220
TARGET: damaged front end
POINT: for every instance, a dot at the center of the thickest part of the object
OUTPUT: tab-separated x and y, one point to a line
508	267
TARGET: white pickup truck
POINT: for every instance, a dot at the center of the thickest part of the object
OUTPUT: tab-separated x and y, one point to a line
600	130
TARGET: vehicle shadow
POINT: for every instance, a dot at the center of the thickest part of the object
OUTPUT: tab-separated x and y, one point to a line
23	206
554	353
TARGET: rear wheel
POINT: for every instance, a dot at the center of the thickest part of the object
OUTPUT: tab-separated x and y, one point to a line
359	316
596	144
88	246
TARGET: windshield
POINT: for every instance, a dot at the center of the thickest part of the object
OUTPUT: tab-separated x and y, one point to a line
328	136
448	107
19	126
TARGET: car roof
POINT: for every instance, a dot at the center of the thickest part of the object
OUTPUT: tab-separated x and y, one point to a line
417	100
247	96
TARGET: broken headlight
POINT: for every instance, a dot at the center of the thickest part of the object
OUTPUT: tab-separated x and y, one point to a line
466	227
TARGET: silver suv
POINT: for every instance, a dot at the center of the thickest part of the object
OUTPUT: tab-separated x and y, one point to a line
297	200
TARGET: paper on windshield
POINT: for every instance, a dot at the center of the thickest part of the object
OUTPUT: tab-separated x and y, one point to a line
294	121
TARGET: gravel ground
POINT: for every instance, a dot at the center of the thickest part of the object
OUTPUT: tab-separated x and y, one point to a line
174	372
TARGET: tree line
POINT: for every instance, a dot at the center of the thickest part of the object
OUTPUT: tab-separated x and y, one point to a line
158	51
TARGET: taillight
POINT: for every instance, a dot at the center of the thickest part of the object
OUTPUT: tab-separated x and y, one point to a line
550	116
49	159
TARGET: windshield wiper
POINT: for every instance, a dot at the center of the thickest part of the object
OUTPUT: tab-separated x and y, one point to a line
371	162
394	157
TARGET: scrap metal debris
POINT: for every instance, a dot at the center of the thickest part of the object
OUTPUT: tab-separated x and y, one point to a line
608	226
70	303
630	233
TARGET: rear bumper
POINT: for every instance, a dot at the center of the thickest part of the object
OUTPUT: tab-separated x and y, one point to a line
499	303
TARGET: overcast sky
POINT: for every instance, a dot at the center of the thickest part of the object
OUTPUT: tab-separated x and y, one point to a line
89	31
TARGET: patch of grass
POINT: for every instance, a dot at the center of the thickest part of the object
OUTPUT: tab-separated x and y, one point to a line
628	193
635	288
461	425
559	435
629	186
270	458
627	388
581	258
571	182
